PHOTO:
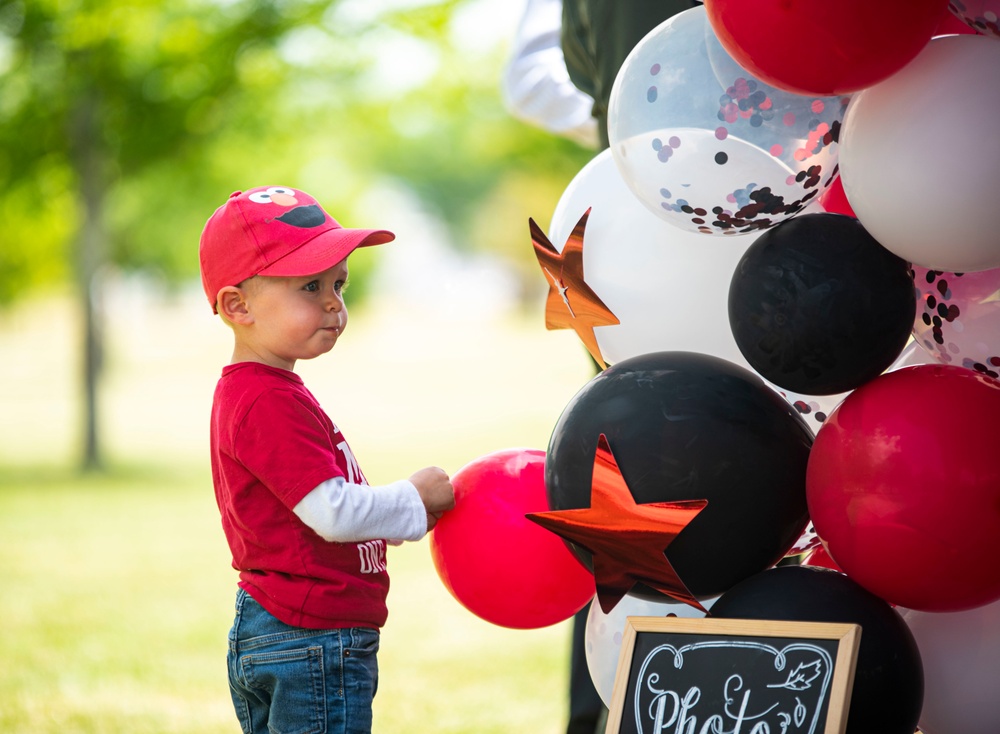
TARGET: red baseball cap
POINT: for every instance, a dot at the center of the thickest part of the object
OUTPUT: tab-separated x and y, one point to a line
274	230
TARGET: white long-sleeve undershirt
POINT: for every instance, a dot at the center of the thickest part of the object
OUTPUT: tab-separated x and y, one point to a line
342	512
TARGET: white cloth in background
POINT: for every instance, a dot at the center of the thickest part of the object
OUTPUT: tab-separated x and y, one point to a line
536	86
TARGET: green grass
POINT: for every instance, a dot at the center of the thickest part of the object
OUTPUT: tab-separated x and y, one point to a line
116	591
117	597
114	600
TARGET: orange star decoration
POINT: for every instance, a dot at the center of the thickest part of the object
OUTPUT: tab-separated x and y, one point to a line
571	304
627	540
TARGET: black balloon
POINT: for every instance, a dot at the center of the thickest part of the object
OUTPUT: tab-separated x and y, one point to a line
889	679
818	306
687	426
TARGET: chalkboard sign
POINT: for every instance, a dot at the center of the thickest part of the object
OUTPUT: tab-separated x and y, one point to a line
704	676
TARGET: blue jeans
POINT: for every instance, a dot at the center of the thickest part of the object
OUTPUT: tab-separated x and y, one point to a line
291	680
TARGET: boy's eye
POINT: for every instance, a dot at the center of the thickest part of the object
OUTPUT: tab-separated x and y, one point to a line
312	286
340	286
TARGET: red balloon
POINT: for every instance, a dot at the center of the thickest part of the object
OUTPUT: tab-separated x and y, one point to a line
819	557
834	200
824	48
494	561
903	485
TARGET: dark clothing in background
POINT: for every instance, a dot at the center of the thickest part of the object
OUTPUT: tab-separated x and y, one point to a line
597	35
587	713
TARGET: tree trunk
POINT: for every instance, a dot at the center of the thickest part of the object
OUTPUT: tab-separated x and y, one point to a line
89	161
91	302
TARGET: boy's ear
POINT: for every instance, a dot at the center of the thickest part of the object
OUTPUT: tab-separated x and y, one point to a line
232	305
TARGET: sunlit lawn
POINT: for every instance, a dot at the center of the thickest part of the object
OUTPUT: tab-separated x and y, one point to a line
115	590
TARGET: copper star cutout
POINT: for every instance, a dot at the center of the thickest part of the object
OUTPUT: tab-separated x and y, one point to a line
627	539
571	303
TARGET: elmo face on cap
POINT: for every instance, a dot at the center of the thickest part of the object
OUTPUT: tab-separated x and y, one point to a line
307	215
275	231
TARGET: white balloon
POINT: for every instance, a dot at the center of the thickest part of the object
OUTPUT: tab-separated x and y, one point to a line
669	288
919	159
961	657
603	638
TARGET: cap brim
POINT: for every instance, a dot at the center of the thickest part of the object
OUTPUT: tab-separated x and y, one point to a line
325	250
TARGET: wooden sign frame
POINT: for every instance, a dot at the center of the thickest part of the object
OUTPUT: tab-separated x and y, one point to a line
846	636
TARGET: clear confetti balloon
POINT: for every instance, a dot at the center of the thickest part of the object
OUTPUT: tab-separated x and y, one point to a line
815	409
708	147
983	16
958	318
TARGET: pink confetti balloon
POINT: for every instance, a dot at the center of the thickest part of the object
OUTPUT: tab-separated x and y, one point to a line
983	16
958	317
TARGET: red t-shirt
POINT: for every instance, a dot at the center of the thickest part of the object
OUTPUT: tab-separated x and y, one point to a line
272	444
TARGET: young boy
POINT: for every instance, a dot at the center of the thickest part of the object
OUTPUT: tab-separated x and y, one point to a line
307	533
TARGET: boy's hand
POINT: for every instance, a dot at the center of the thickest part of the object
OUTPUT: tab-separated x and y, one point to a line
436	492
432	520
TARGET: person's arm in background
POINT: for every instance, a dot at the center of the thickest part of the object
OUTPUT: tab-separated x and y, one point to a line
536	85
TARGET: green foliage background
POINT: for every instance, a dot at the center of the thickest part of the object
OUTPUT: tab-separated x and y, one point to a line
158	110
125	123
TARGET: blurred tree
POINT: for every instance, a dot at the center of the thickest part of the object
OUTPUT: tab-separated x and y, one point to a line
102	99
121	123
448	135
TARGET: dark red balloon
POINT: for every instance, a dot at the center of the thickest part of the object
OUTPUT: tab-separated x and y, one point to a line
824	48
903	485
834	200
499	565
